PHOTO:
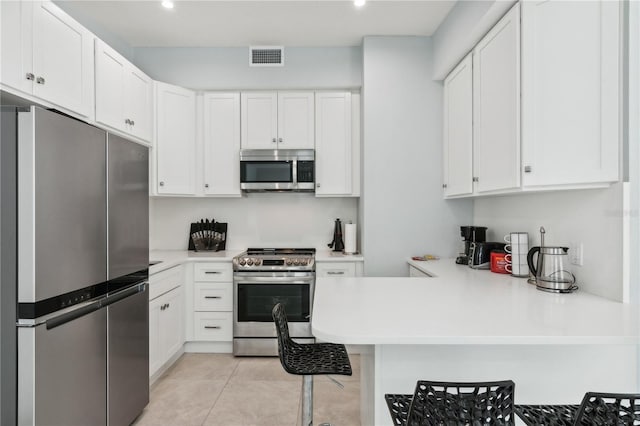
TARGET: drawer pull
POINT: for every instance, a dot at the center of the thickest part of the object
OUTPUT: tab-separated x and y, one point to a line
215	327
213	297
212	272
335	272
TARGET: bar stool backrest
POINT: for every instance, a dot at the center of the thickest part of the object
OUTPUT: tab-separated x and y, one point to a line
451	403
598	408
284	341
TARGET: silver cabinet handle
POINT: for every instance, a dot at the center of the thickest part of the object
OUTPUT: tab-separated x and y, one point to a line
317	185
133	123
215	327
280	140
127	121
444	185
30	76
335	272
40	80
212	272
476	179
527	169
206	185
273	140
161	183
213	297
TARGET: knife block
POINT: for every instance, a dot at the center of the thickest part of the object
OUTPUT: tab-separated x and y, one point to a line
207	236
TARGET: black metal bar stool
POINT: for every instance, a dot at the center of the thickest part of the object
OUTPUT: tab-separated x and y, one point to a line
597	408
308	360
454	403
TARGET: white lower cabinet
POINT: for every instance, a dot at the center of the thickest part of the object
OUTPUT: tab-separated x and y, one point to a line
166	317
339	269
213	302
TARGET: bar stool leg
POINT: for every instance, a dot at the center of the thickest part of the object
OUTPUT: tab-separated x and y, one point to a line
307	400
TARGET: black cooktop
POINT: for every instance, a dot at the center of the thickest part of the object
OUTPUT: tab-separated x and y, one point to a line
280	251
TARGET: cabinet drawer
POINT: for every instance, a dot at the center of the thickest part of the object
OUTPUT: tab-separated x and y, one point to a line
213	272
213	326
165	281
337	269
213	296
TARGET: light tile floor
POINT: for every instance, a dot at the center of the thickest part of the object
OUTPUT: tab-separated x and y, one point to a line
219	389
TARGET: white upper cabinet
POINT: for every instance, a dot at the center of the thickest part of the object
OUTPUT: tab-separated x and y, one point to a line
333	144
295	120
259	120
175	140
496	106
271	120
47	54
570	92
222	144
458	130
124	94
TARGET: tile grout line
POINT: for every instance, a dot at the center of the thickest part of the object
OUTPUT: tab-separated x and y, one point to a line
220	394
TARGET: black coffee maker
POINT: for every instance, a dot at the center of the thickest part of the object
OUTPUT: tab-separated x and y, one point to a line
338	242
470	234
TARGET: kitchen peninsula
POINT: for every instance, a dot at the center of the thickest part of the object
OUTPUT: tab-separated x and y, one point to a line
461	324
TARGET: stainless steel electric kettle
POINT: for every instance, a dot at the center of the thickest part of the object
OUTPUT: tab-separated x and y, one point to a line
549	270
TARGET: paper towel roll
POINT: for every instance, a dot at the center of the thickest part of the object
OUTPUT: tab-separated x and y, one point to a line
349	238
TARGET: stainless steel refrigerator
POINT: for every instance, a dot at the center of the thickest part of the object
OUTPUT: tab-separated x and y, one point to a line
77	282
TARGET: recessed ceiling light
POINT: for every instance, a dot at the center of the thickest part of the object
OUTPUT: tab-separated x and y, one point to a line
359	3
167	4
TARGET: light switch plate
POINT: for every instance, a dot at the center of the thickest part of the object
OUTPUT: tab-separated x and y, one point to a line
576	254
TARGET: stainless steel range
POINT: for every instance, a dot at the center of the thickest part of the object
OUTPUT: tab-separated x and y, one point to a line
263	277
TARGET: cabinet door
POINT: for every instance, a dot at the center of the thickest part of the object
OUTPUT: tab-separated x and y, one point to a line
62	59
171	324
333	144
155	351
496	108
458	130
222	144
570	92
16	32
259	120
295	120
138	103
110	77
175	140
336	269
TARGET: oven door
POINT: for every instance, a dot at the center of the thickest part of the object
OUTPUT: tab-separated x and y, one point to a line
256	293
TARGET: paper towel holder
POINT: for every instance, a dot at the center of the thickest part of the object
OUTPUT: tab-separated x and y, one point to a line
350	240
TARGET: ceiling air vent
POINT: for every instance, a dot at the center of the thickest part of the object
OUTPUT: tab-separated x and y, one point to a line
266	56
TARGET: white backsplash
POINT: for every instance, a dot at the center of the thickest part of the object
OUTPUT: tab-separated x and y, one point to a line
592	217
256	220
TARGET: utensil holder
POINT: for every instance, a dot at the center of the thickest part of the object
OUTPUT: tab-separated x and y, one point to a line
210	236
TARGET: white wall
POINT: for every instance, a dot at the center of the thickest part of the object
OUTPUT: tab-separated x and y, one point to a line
228	68
404	213
593	217
463	27
257	220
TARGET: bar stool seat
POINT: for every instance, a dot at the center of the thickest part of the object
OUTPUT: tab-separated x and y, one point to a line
596	409
454	403
308	360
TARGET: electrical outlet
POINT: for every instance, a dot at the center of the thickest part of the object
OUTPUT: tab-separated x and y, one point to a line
576	254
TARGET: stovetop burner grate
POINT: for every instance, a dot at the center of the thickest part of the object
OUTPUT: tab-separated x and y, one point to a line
280	251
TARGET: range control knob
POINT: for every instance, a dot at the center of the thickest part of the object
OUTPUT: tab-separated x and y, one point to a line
257	262
249	262
288	262
303	262
241	262
296	262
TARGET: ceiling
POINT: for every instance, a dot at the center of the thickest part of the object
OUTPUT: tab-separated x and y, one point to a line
265	22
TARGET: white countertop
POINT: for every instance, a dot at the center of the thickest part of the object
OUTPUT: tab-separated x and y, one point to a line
459	305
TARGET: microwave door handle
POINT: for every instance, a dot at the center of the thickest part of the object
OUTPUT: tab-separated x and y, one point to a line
294	172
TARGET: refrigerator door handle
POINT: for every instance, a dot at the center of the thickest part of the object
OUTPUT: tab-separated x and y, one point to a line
137	288
75	314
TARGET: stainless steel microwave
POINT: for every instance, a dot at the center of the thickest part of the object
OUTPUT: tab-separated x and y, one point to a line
277	170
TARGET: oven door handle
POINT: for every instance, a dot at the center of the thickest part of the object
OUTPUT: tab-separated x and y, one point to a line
275	280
